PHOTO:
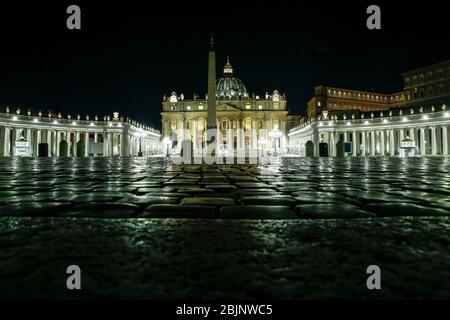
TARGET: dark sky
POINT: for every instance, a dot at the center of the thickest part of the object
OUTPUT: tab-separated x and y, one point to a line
129	54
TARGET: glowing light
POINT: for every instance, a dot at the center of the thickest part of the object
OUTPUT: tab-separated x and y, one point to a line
14	118
446	115
404	119
425	117
55	122
92	124
110	124
35	120
320	124
348	123
366	122
330	123
385	121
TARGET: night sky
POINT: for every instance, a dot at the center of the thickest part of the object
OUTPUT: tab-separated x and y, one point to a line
128	55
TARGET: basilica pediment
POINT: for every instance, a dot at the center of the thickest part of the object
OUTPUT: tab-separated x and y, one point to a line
226	107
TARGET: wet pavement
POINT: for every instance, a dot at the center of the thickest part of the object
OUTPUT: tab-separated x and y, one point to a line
289	188
292	228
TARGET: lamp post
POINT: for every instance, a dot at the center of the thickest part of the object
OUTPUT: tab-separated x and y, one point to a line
262	142
275	134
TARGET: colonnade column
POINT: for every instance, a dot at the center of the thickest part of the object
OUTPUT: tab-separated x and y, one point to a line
38	141
422	141
363	143
355	144
382	143
7	139
433	141
76	138
86	144
332	145
444	140
372	143
69	143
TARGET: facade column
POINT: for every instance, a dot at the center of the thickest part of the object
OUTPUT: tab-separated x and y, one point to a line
433	141
382	143
444	140
355	145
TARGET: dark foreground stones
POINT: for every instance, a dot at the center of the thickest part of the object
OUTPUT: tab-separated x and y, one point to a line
225	259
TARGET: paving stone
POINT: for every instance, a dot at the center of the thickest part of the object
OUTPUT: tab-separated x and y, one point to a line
102	210
51	195
196	190
221	188
176	211
147	200
404	209
269	201
375	196
331	211
213	201
87	197
256	212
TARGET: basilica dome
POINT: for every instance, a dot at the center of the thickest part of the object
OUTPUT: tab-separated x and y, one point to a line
229	87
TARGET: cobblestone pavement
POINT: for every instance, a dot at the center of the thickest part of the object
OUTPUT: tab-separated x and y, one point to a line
52	214
284	189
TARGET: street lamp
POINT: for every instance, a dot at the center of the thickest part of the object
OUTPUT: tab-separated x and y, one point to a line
262	142
166	142
275	134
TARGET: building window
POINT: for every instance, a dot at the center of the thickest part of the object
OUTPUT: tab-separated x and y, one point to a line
188	107
260	107
224	124
318	103
247	106
173	125
200	107
188	125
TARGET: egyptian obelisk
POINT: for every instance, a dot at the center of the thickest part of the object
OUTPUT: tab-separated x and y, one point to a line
212	121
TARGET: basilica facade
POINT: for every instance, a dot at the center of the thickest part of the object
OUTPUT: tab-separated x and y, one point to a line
244	121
